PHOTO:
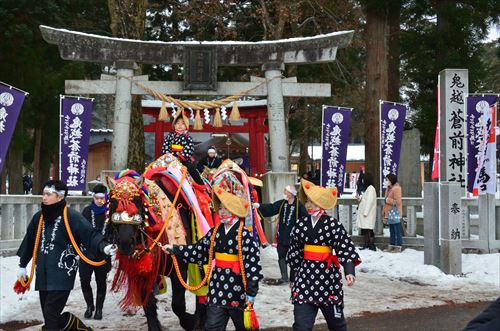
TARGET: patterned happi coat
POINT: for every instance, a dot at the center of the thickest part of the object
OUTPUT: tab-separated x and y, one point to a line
183	139
226	287
313	281
57	261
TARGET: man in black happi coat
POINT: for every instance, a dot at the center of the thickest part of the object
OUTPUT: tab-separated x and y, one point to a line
289	211
57	261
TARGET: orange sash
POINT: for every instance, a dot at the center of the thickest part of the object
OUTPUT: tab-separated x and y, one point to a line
228	261
321	254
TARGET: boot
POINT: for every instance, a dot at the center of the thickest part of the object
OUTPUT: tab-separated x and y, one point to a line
70	322
389	248
371	244
99	304
397	249
89	299
366	234
283	270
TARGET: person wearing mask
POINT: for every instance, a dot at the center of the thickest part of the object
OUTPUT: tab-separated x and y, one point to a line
236	273
95	214
320	246
393	199
56	259
211	161
367	212
289	211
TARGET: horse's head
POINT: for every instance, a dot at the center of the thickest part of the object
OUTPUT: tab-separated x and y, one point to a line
127	213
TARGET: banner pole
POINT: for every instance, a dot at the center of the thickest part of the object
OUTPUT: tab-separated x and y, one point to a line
61	97
381	183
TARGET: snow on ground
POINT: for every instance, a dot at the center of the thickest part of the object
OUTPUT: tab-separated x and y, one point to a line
385	281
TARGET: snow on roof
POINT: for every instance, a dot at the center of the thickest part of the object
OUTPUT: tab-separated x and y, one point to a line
354	152
101	130
195	42
242	103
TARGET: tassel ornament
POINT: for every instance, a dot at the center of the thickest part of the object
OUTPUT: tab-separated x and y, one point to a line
198	123
163	116
235	113
217	119
19	288
250	318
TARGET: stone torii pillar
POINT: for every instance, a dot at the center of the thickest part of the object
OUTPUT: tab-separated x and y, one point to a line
276	117
200	60
121	115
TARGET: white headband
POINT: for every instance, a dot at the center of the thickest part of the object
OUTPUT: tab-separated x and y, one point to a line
211	150
99	195
291	189
52	189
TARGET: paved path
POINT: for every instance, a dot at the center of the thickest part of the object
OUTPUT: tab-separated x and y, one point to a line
450	317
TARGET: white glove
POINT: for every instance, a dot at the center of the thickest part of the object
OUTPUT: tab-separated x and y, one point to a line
167	248
21	273
256	205
110	250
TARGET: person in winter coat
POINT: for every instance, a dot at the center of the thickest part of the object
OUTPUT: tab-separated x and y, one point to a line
289	211
211	161
393	198
237	271
95	214
56	259
488	320
367	212
319	247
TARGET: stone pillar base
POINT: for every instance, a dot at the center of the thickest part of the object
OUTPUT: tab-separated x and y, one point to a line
451	256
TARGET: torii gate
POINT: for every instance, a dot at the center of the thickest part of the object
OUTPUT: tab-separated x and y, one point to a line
200	61
271	55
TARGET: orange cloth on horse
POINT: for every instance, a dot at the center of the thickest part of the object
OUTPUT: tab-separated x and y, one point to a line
228	261
321	254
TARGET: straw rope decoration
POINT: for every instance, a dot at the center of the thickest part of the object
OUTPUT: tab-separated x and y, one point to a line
199	105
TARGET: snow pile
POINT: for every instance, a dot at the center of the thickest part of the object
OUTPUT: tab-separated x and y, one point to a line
384	281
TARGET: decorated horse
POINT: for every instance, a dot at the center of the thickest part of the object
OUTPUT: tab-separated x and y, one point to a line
164	205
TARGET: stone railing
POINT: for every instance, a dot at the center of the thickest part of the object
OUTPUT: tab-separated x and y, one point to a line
16	212
475	230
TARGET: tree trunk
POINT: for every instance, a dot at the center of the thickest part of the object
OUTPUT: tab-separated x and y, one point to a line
127	21
37	172
444	9
394	52
14	167
304	141
376	84
3	181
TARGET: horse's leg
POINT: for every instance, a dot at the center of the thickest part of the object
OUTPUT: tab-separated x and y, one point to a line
150	310
186	320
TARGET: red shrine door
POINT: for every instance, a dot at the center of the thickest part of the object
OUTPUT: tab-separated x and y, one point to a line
253	118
